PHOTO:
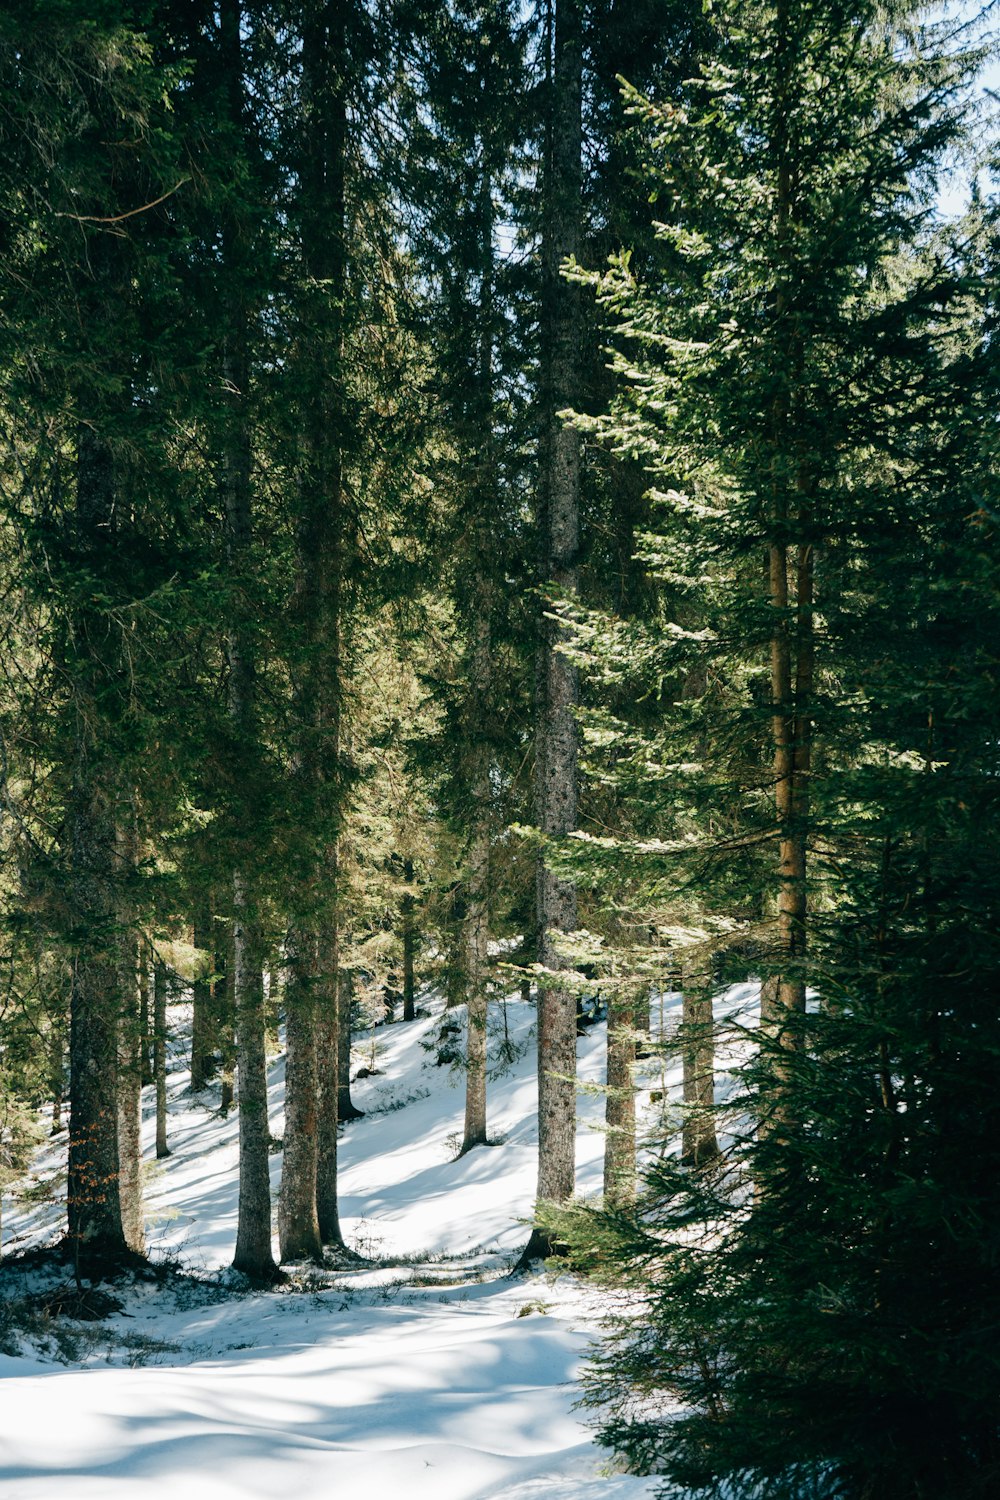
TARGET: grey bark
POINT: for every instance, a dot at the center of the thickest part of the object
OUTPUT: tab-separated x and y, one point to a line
298	1215
556	741
619	1112
331	980
93	1200
476	962
56	1085
223	1015
699	1144
203	1039
145	1028
160	1054
253	1254
346	1108
130	1089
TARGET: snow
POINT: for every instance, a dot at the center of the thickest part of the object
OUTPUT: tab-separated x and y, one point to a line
427	1368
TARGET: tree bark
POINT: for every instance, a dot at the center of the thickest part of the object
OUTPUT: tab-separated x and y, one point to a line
222	1010
203	1040
619	1112
298	1215
556	740
699	1144
130	1057
56	1084
93	1199
346	1108
476	962
253	1255
317	1035
327	1048
160	1055
145	1029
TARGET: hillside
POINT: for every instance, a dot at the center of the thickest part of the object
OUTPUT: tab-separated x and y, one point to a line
424	1367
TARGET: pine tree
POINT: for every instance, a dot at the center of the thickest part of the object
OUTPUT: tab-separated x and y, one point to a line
802	374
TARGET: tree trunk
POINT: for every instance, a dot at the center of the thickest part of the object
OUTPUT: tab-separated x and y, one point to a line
346	1108
327	1050
93	1200
224	1020
698	1140
203	1040
619	1111
160	1055
130	1053
145	1029
476	963
556	741
298	1217
317	1033
253	1255
56	1083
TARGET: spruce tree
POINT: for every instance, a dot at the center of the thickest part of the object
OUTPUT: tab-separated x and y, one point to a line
801	374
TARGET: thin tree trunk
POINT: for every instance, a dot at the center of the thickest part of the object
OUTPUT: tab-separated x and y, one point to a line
556	744
619	1111
203	1041
699	1144
222	1008
346	1108
298	1216
792	649
476	962
160	1054
145	1028
56	1082
331	980
130	1053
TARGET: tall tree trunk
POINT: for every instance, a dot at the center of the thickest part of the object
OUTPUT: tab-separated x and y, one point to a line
253	1254
556	741
160	1054
792	645
619	1111
93	1200
316	1033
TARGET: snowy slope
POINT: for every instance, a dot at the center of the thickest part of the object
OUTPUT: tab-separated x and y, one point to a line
425	1369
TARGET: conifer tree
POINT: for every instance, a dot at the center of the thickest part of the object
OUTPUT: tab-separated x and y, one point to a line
800	373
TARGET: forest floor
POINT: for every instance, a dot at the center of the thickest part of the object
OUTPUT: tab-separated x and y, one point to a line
424	1368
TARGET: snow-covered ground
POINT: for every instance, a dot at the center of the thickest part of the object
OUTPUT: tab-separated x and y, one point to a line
426	1370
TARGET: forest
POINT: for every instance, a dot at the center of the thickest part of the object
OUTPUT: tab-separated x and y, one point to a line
498	546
